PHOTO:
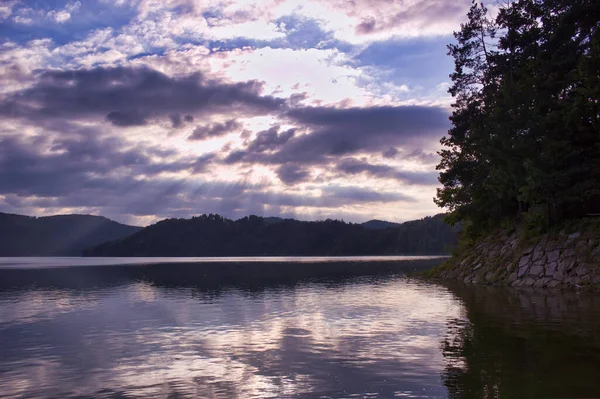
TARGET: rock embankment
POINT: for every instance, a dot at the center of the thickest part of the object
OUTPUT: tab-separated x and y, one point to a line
552	261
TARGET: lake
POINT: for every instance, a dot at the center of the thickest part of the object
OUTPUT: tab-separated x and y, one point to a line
285	328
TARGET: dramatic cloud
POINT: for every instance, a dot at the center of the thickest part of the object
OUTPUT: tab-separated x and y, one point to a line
390	152
126	96
435	16
175	120
260	148
148	109
101	174
292	173
337	132
353	166
270	139
403	17
128	118
215	130
60	167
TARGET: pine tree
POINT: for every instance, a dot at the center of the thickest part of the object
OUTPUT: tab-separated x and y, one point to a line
526	119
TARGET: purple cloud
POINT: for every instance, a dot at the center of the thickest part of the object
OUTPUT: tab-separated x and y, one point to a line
127	96
215	130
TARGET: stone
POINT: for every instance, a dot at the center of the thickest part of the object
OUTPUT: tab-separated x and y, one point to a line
467	279
553	284
566	264
523	270
572	281
512	277
538	253
551	268
558	276
553	256
528	282
596	279
568	253
516	283
581	270
540	283
560	246
596	252
574	235
536	270
547	281
528	250
477	266
524	260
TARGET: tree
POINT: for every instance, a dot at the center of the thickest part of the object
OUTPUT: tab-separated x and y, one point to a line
526	116
465	164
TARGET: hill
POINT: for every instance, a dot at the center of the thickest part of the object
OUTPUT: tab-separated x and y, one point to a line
379	224
214	235
60	235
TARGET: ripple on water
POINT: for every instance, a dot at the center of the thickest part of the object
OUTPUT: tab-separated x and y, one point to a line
139	335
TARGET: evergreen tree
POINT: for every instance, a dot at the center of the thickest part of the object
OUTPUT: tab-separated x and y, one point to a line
526	114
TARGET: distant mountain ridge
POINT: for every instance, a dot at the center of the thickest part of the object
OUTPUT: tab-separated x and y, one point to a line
59	235
214	235
376	224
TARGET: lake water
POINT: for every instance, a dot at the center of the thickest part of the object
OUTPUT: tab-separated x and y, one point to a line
357	328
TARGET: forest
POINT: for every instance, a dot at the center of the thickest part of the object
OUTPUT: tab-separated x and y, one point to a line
215	235
525	139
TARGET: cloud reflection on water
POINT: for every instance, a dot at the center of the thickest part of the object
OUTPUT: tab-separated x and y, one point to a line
370	336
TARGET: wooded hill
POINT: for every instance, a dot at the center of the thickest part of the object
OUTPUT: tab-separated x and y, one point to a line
214	235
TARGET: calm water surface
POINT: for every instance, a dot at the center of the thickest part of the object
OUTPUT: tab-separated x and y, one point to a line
287	330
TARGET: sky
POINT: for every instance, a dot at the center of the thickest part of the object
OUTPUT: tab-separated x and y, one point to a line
149	109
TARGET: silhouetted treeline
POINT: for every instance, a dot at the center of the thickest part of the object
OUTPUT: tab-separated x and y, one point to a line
214	235
526	123
65	235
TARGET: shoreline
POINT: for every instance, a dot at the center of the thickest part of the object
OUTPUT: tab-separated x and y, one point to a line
567	258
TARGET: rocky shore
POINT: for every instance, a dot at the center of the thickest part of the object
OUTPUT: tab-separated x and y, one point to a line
558	260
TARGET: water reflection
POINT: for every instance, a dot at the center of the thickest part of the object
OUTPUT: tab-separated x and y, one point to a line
523	344
141	335
170	331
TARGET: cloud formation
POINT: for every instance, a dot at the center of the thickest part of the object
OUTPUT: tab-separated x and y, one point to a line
345	131
149	109
336	132
126	96
215	130
353	166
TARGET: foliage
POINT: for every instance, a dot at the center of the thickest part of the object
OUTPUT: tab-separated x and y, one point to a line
214	235
526	118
